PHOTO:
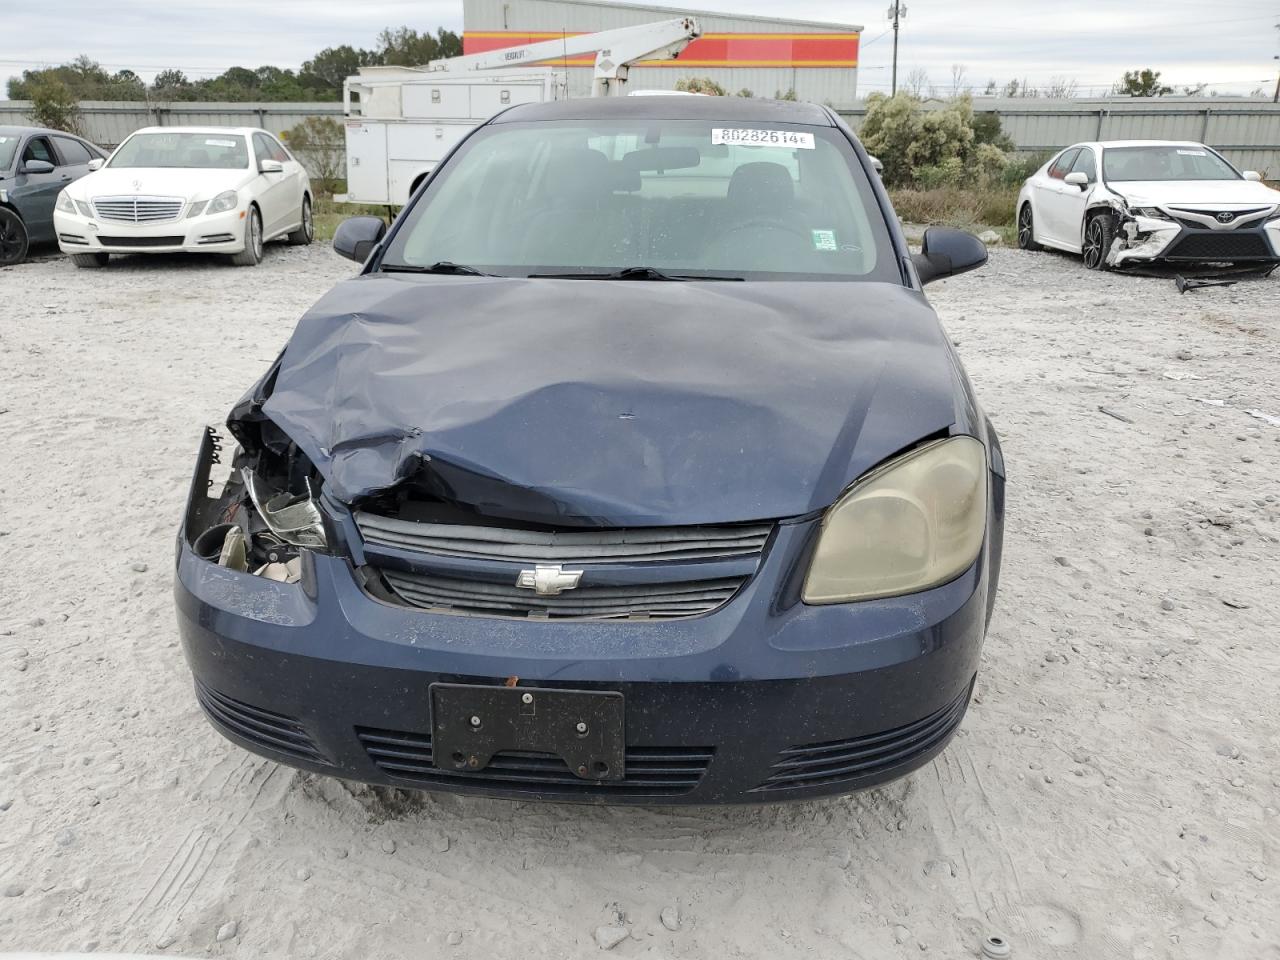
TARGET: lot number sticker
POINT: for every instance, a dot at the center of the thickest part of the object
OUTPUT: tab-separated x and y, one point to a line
739	136
825	240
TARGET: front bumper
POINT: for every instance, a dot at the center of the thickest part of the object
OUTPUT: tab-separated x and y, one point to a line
758	701
1154	240
215	233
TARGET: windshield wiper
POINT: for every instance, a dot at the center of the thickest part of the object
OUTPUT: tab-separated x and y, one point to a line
444	266
628	273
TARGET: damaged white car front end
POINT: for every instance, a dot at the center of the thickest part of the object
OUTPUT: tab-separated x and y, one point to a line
1140	202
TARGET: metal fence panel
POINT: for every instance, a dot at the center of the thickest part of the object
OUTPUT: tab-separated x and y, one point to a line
1246	131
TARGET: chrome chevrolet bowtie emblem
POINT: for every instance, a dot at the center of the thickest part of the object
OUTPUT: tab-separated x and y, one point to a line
1226	216
548	579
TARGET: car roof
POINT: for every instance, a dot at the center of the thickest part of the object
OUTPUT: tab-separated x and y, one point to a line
212	129
1108	144
14	131
728	109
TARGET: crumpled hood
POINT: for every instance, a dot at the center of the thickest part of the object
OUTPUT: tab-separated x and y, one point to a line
1223	193
613	402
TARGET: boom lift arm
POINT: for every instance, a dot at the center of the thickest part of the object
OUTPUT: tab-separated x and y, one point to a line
615	50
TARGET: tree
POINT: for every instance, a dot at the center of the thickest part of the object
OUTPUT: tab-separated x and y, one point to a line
785	94
1062	88
332	65
321	145
700	85
405	47
53	105
916	82
744	92
1141	83
958	83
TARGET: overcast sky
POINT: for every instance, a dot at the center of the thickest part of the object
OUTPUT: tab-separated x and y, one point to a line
1229	44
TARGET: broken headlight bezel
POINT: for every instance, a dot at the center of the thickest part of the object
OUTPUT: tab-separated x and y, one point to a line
1151	213
293	518
913	524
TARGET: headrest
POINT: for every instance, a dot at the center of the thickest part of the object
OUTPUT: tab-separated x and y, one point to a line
762	184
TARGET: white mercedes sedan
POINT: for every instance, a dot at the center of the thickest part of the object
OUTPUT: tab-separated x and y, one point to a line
223	190
1140	201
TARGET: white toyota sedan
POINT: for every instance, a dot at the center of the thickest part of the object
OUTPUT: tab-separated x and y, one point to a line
187	189
1141	201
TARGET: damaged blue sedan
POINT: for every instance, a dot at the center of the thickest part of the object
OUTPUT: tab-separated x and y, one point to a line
634	467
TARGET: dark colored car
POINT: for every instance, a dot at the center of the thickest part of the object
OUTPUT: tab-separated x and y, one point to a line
634	467
35	164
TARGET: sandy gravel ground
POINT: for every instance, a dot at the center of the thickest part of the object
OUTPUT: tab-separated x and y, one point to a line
1113	793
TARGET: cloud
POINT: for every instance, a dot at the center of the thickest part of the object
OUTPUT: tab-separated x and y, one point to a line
1092	42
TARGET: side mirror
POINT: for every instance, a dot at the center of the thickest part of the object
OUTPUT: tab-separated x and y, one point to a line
946	252
356	237
270	166
1252	175
96	163
1077	179
37	166
876	165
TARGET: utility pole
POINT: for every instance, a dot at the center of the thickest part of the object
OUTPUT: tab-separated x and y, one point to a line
898	11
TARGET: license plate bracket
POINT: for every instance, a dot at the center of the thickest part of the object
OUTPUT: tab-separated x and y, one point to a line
470	724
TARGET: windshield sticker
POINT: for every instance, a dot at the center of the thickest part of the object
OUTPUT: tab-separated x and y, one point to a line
219	143
825	240
1193	153
738	136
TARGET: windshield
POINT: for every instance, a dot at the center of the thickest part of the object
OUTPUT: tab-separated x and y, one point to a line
8	146
1172	162
685	197
216	151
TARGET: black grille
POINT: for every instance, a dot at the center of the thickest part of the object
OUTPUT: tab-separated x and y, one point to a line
140	241
688	598
271	731
1223	245
638	545
650	771
847	761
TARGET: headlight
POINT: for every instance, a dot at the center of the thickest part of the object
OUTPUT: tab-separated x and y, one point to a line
85	209
223	201
915	523
197	208
293	518
65	203
1154	212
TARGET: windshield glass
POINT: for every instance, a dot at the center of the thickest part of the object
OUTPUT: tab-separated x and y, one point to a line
1172	162
8	146
218	151
684	197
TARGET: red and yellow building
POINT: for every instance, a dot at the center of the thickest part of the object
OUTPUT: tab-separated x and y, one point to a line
769	57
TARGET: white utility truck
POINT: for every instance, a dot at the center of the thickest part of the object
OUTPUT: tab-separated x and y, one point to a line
401	121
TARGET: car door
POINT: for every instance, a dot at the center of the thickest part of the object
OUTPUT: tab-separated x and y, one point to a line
1053	208
296	174
34	194
74	156
271	189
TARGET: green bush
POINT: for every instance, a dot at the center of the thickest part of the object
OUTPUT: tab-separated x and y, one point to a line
320	143
53	105
700	85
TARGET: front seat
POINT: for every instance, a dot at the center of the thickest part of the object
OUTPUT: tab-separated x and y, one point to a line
761	227
571	224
